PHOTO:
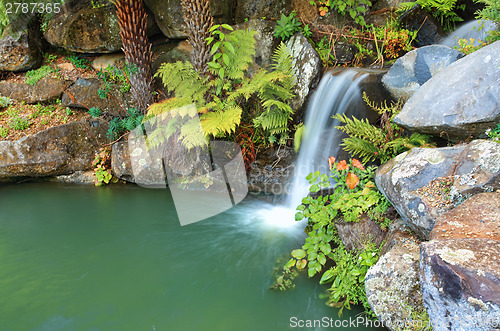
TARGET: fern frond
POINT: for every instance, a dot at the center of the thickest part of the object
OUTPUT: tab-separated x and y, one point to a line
273	121
243	42
283	63
218	123
365	150
360	129
192	134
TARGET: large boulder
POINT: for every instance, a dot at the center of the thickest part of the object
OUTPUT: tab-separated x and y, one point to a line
416	67
56	151
307	66
477	217
261	9
426	182
428	29
462	100
460	281
46	89
170	18
21	45
86	26
392	285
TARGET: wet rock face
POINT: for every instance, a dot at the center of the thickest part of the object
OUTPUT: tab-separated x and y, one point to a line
307	66
272	172
59	150
21	47
424	183
429	29
81	27
392	285
46	90
461	283
416	67
460	101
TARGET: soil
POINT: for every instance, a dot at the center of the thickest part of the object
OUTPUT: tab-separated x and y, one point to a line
40	117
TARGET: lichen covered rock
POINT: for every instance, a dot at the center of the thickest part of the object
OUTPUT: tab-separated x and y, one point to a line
461	283
392	285
46	89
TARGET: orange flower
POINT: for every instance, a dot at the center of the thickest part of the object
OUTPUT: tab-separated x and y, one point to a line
352	180
331	161
357	164
342	165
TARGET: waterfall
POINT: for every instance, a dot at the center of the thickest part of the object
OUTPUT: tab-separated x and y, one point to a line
334	95
472	29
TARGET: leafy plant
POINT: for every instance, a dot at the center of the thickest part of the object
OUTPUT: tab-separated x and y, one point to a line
219	96
443	10
119	125
94	112
102	167
306	31
494	134
355	8
78	62
354	194
5	102
491	11
370	142
35	75
19	123
286	26
4	131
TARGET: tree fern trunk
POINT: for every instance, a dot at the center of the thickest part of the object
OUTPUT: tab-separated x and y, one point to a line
199	20
133	24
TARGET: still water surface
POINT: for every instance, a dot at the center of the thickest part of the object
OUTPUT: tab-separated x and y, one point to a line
116	258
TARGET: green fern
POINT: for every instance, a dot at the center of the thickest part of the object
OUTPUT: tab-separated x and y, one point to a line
369	142
219	96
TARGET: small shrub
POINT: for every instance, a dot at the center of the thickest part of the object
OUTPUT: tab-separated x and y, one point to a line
4	132
5	101
494	134
19	123
287	26
69	112
94	112
78	62
35	75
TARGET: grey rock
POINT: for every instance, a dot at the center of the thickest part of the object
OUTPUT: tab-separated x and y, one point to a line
56	151
416	67
21	47
357	235
120	162
307	66
429	30
78	177
46	89
83	27
392	285
460	281
170	18
426	182
460	101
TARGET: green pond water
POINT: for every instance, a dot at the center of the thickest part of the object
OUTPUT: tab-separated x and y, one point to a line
116	258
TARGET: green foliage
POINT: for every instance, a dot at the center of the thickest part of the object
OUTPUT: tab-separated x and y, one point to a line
118	126
5	101
491	11
102	167
78	62
219	96
4	131
494	134
306	31
19	123
443	10
35	75
297	138
287	26
112	77
94	112
354	194
370	142
355	9
69	112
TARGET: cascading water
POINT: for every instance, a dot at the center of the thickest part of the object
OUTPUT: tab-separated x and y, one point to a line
477	30
335	95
